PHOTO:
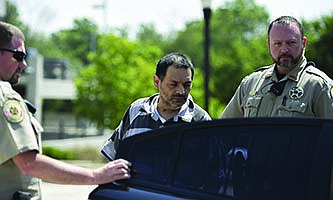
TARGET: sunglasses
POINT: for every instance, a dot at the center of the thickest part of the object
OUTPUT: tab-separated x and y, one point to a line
18	55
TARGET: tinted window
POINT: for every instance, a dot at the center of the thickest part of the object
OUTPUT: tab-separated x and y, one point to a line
248	162
154	158
243	162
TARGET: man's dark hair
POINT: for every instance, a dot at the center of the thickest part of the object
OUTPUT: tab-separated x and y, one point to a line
175	59
286	20
7	32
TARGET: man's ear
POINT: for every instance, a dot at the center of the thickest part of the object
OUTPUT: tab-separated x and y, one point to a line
304	43
156	81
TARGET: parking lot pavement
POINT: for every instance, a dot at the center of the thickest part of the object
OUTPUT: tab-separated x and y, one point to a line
92	141
52	191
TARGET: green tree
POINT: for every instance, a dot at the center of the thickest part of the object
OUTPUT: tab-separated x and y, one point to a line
121	71
147	33
33	40
77	42
12	16
320	42
190	42
238	47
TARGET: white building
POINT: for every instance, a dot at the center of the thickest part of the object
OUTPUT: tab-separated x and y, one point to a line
50	80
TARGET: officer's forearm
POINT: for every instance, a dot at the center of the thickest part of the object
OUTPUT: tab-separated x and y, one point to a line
31	163
34	164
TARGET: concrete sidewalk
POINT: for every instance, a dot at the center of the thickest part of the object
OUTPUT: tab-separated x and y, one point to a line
52	191
91	141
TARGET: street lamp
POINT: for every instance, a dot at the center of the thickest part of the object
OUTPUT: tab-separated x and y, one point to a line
207	14
104	7
2	8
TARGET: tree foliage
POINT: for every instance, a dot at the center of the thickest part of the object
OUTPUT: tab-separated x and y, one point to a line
121	71
12	16
239	45
147	33
320	42
78	41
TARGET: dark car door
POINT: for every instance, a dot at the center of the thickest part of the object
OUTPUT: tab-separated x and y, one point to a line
252	158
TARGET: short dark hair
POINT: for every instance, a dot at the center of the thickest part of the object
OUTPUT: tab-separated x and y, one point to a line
286	20
175	59
7	32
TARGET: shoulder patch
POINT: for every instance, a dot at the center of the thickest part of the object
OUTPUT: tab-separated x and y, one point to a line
13	111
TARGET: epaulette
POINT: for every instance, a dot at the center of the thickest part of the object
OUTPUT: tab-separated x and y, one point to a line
262	68
7	90
30	106
315	71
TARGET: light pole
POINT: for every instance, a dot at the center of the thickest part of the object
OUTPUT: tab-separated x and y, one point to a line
93	36
2	8
103	6
207	14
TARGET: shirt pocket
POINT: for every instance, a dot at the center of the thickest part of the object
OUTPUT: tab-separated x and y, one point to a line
293	108
251	106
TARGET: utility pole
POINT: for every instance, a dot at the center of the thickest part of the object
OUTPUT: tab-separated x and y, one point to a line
103	6
2	8
207	16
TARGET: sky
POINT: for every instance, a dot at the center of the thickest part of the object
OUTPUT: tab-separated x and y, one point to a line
53	15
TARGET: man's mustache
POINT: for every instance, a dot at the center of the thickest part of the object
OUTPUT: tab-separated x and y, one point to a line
179	95
285	55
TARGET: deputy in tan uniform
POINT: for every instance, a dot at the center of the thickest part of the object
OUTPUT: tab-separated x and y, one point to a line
291	87
22	165
17	135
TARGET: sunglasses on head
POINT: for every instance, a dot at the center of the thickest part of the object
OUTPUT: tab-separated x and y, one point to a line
18	55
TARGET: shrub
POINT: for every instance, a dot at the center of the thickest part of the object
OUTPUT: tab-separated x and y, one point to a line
58	153
82	153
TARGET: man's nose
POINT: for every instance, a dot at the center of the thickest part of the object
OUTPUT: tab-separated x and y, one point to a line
180	89
23	64
285	48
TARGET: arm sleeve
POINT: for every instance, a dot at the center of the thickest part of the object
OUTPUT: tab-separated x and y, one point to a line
235	105
324	103
17	134
109	149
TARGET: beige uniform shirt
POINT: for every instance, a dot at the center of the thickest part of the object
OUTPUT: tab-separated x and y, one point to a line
19	133
307	93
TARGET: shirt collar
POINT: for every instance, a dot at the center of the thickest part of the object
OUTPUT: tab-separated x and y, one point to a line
293	74
185	112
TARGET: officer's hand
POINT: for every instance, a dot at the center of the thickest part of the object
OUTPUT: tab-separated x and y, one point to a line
114	170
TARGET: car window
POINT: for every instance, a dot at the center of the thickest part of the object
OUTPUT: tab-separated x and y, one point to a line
154	158
247	162
242	162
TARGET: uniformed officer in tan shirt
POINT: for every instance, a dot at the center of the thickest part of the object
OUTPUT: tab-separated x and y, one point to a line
291	87
17	135
22	165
